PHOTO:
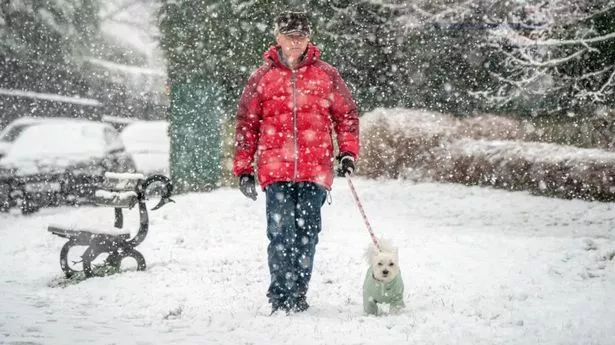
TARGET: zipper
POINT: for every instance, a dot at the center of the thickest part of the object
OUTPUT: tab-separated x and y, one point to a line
294	85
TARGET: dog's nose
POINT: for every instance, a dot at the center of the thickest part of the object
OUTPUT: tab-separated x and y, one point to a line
385	272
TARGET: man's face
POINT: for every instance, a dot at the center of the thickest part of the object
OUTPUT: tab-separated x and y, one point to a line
293	45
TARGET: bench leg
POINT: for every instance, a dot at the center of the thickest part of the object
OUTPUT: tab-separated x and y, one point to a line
90	255
114	259
64	264
135	254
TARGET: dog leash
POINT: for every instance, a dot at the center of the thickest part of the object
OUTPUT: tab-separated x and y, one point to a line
356	198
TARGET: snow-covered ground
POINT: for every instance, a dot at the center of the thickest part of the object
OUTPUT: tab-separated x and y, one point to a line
481	266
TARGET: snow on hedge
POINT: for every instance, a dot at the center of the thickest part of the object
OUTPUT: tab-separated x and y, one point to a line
416	144
533	151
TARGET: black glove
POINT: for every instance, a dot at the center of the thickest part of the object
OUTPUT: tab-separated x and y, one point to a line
247	186
346	161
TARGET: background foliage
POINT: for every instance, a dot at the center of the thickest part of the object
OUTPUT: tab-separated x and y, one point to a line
463	57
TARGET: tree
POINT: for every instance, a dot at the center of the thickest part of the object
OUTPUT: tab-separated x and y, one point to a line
364	40
224	41
563	60
48	46
217	41
46	30
443	56
39	43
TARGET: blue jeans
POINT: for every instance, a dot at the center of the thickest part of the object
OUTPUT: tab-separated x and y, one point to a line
293	224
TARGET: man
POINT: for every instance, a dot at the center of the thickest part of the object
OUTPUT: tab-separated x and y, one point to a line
285	117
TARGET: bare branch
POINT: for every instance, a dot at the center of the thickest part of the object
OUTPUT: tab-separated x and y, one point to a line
608	82
554	43
591	74
421	11
597	13
549	63
428	17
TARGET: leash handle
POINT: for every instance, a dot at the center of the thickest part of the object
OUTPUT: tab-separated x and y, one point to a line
356	198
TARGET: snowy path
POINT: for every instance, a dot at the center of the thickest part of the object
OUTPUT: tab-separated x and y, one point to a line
481	266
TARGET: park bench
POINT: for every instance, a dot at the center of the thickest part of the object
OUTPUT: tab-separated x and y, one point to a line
120	191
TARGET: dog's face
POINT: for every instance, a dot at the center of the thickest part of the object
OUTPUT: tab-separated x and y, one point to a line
385	265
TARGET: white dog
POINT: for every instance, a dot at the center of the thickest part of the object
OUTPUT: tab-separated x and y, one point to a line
383	283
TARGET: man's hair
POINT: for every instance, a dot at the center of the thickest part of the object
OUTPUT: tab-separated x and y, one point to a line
289	22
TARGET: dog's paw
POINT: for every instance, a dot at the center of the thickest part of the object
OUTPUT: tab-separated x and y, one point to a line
371	309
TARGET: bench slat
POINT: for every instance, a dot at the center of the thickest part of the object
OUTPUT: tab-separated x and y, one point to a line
77	231
121	181
115	199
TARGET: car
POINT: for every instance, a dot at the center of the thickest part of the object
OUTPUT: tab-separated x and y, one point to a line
10	133
58	163
148	143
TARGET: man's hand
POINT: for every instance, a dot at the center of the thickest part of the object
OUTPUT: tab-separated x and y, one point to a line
346	161
247	186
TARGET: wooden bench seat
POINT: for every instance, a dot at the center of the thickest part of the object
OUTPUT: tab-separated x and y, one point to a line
73	230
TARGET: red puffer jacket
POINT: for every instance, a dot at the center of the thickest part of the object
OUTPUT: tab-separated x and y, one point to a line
286	118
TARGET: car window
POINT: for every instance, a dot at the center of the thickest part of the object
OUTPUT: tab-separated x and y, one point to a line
13	133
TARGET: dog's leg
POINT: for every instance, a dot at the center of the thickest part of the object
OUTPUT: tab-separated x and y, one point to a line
369	305
397	304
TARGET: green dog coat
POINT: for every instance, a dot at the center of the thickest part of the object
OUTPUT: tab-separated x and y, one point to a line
376	292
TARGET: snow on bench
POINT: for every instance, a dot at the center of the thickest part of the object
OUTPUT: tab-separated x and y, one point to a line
121	181
124	176
97	230
115	199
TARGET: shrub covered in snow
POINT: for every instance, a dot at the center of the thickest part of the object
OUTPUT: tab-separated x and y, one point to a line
480	151
392	144
547	169
397	142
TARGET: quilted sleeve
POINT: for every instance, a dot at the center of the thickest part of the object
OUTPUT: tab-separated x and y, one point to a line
345	116
247	124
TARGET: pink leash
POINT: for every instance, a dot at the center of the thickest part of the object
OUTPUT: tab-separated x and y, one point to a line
356	198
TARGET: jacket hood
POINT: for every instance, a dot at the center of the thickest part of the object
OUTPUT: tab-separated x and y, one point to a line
312	54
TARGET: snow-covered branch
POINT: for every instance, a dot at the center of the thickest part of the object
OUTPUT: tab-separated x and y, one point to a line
429	12
529	61
444	12
523	41
595	14
551	58
608	83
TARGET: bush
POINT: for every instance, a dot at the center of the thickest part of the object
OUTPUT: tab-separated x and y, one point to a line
393	147
543	169
427	146
587	132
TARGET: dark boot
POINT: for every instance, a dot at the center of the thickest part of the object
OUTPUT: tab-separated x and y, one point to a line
300	305
280	306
